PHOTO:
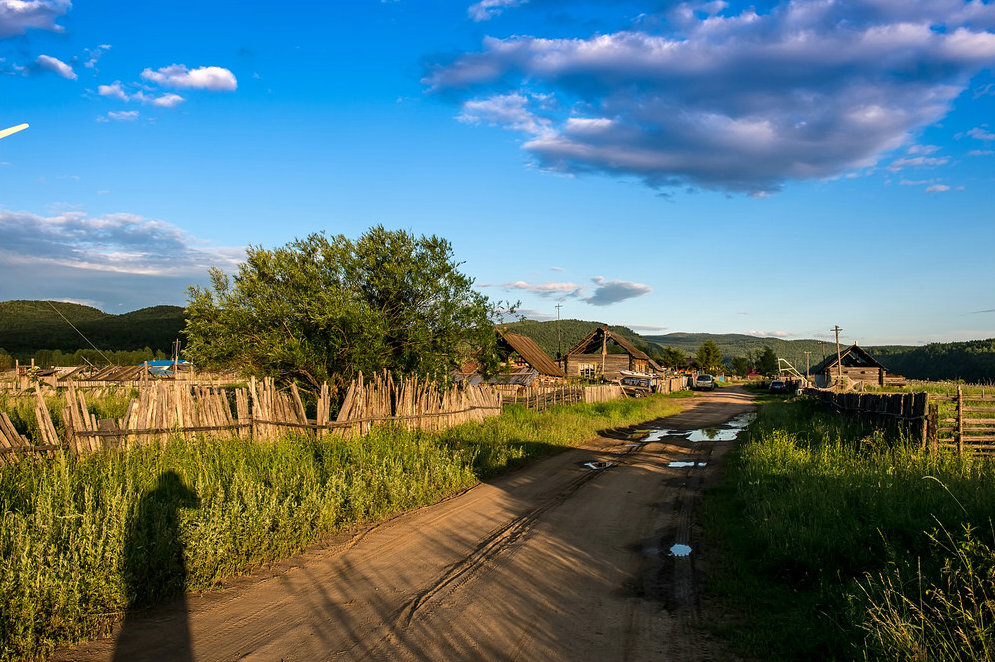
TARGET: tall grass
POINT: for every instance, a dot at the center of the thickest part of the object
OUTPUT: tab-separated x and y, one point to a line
75	532
826	523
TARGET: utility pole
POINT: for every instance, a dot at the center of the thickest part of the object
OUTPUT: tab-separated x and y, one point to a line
559	336
839	358
806	364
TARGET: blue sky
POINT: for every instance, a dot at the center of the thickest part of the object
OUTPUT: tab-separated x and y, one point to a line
768	168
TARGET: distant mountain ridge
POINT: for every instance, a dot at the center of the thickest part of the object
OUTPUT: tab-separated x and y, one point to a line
29	326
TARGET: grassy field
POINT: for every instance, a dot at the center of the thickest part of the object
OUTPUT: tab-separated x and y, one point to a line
839	543
84	539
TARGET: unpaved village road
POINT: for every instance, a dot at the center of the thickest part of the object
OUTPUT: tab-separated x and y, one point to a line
555	561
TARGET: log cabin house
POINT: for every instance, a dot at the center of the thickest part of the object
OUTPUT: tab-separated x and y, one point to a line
857	365
591	359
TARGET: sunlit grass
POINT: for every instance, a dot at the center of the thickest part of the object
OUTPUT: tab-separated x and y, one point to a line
65	523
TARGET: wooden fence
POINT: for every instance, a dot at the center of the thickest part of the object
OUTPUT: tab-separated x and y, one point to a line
972	425
163	410
907	413
543	397
964	423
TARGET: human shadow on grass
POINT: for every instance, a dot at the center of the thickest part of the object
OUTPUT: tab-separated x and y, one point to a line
154	571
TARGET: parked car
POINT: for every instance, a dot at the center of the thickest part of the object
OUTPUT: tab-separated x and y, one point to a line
778	386
704	383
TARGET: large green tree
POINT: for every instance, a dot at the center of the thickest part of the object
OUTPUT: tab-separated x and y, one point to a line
323	308
765	361
673	358
708	356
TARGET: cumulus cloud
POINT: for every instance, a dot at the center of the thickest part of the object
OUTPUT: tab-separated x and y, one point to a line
123	116
769	334
545	289
733	100
94	55
607	292
979	133
216	79
117	91
55	65
124	244
485	10
937	188
19	16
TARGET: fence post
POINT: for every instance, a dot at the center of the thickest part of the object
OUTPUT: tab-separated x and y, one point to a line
960	420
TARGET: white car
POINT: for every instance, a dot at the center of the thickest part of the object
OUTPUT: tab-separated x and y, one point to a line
704	383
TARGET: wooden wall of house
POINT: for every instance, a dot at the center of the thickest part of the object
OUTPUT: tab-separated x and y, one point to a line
613	363
868	374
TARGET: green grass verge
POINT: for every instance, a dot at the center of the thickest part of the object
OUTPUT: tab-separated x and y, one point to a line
84	539
838	543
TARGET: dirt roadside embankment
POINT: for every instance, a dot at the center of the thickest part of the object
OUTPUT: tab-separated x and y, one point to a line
555	561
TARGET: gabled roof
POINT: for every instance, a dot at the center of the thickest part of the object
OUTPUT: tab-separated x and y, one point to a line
531	352
852	357
591	344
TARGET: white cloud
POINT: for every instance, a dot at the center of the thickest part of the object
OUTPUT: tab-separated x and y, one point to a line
94	55
124	115
980	152
19	16
117	243
55	65
167	100
546	289
114	90
647	327
937	188
557	269
769	334
735	100
918	162
979	133
488	9
217	79
607	292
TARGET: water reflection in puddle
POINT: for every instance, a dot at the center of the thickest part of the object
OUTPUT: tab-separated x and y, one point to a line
595	466
680	550
657	435
686	463
713	434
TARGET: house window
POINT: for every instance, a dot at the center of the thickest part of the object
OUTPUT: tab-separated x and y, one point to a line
588	370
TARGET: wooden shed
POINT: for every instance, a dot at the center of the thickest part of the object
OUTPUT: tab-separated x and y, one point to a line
857	365
520	352
591	359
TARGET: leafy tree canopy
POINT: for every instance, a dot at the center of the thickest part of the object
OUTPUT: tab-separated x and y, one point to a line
673	358
708	356
323	308
765	361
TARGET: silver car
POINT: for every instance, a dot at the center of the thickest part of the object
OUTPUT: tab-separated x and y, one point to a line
704	383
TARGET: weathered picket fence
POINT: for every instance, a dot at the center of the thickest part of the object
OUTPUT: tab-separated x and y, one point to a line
165	409
972	425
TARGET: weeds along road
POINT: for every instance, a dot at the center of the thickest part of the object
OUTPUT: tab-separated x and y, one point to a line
555	561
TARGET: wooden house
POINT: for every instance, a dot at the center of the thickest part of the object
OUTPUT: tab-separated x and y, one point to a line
854	364
520	354
591	359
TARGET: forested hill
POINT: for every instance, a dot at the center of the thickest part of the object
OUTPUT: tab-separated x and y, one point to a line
972	361
544	334
29	326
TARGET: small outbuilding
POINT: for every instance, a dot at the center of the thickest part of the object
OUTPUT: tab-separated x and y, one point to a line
854	364
591	359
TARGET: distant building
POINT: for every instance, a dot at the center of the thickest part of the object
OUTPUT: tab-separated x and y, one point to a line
590	358
857	366
522	356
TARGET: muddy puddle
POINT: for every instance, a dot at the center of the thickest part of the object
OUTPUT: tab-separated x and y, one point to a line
680	464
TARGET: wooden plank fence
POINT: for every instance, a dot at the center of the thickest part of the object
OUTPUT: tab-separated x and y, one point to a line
907	413
165	409
961	423
971	427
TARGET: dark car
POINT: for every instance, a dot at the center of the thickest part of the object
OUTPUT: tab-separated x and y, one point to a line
778	386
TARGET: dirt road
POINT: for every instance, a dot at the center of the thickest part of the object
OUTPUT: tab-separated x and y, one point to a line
556	561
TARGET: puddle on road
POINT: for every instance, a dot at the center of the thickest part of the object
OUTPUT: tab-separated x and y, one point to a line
680	550
713	434
658	435
686	463
595	466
